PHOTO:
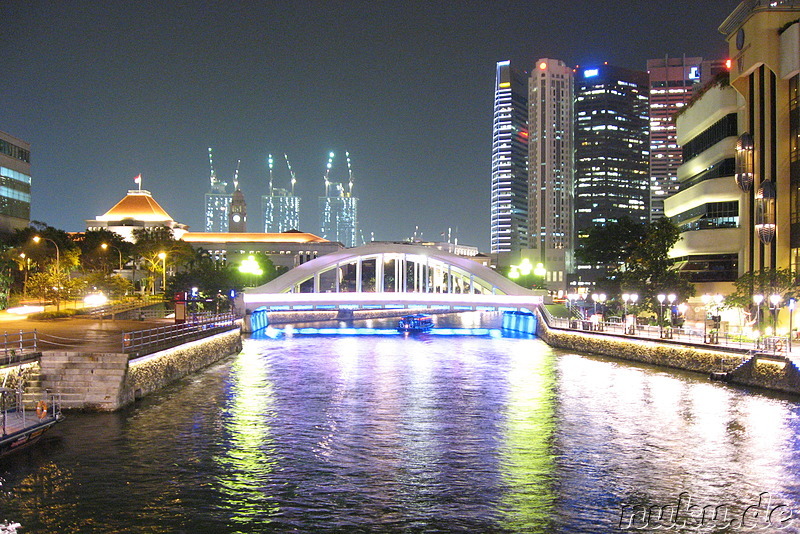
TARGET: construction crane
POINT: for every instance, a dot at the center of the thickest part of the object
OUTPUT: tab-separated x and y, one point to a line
236	176
350	173
270	162
211	164
291	172
328	172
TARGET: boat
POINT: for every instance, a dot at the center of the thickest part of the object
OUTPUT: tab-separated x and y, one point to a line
21	427
418	322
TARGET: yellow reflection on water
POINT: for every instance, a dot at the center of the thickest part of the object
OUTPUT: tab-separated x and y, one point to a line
246	465
528	464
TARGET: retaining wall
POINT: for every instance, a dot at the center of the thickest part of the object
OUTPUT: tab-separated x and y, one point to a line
685	357
769	372
109	381
779	375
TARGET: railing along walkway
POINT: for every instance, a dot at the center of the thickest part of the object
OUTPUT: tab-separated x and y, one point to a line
775	345
141	342
19	346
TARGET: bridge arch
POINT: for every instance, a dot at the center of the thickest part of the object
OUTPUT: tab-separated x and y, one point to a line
392	267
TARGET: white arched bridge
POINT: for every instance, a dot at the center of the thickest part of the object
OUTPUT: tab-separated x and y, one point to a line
391	275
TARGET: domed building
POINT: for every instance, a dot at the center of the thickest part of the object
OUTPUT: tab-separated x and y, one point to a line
137	210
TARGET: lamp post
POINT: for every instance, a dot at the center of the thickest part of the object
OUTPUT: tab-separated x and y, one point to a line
774	300
757	300
661	298
790	305
27	263
37	238
163	257
106	246
706	299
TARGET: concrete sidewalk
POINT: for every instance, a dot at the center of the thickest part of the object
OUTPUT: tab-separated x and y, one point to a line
90	335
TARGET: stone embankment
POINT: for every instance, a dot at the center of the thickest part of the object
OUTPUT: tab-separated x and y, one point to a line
110	381
736	367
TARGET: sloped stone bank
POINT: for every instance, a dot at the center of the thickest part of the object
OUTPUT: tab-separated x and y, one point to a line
685	357
774	373
154	371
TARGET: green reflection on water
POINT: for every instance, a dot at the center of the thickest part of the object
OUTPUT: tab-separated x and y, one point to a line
246	466
527	459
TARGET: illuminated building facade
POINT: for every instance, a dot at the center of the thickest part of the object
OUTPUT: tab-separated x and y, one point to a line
672	82
509	195
137	210
287	249
339	217
237	216
15	183
217	207
550	170
764	43
708	203
611	152
281	211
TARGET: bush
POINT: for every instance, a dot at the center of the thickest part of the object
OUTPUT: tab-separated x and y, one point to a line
49	315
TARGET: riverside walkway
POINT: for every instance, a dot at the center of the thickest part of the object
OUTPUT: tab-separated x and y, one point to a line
77	333
775	345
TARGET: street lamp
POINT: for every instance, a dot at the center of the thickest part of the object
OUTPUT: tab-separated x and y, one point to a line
106	246
661	298
36	239
757	300
163	257
671	299
774	300
790	305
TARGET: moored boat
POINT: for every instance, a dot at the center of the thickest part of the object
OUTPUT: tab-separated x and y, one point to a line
418	322
20	427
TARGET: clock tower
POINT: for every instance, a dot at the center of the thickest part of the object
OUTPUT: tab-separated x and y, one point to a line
237	215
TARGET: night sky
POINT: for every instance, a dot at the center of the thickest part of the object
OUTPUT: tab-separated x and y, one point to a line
104	91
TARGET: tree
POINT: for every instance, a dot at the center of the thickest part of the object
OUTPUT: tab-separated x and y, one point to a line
52	285
151	243
93	257
764	282
650	271
611	244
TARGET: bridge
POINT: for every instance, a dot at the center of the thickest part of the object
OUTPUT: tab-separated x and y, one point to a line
390	275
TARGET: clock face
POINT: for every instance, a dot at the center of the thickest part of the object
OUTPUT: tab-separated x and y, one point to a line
237	218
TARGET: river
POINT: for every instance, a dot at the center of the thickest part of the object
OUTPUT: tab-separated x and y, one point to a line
418	434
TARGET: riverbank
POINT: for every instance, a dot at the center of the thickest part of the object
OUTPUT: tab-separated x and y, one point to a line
771	372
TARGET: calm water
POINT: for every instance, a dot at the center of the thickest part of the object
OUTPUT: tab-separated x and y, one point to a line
419	434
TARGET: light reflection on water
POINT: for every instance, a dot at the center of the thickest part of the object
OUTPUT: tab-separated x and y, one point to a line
398	434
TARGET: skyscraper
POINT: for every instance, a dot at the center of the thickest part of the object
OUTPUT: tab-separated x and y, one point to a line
611	151
280	207
550	170
217	202
15	183
339	217
509	195
672	82
339	212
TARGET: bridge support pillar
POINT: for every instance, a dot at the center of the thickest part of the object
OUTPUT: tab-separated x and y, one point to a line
358	275
379	285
